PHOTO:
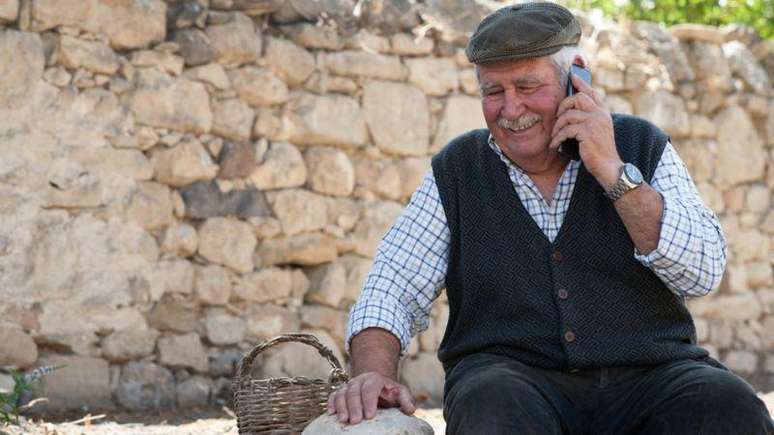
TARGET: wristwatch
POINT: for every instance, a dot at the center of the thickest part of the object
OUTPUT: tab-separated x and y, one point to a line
630	178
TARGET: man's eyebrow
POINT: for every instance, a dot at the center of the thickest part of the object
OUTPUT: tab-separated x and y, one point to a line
528	80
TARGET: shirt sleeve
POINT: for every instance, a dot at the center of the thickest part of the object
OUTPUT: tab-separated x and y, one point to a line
408	272
691	254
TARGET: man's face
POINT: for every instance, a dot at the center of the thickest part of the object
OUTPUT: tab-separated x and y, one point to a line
519	99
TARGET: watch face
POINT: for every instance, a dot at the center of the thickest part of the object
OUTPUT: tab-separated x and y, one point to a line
632	173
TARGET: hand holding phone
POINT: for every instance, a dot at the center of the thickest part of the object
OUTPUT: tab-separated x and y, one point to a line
570	147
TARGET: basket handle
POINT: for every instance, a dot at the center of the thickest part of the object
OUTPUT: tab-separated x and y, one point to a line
337	373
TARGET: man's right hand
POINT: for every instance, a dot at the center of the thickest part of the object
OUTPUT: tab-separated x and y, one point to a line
359	398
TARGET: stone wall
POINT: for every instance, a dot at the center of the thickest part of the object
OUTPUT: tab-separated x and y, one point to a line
181	180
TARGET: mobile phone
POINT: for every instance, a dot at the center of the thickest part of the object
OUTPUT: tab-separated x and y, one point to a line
570	146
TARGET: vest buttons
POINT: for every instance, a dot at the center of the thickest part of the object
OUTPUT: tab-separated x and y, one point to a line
562	293
569	336
556	257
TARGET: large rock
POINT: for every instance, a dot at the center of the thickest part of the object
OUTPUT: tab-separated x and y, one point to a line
698	32
325	120
668	49
424	376
665	110
21	66
212	74
180	240
282	166
412	171
235	42
183	164
205	200
145	386
258	86
18	349
409	45
228	242
47	14
9	11
232	118
213	284
299	210
129	344
460	115
195	46
739	148
364	64
397	117
328	284
435	76
380	177
710	65
744	64
330	171
94	56
390	421
150	206
357	269
312	36
83	382
172	276
131	24
376	220
291	63
165	61
159	100
194	391
308	249
184	351
735	307
298	359
268	321
266	285
171	315
330	319
224	329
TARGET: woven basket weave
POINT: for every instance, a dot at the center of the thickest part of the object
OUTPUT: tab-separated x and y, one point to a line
282	405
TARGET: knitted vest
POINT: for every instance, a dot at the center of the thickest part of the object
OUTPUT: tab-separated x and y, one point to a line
581	302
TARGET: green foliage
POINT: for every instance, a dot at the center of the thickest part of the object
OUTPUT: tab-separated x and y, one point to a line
758	14
9	402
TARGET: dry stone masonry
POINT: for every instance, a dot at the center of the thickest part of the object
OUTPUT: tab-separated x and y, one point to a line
182	179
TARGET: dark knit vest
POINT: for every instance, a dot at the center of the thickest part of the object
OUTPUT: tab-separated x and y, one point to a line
583	301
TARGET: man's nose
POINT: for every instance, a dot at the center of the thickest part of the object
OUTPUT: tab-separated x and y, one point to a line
513	106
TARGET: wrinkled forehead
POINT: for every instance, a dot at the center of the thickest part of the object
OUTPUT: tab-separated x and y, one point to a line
521	71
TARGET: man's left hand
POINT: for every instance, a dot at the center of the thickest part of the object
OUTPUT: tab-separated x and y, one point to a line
584	117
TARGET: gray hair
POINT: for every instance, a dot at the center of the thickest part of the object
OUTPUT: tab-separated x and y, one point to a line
561	60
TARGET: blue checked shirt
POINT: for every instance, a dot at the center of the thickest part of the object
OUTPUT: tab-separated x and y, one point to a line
409	268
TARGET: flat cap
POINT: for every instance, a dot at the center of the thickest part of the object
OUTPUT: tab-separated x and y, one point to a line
521	31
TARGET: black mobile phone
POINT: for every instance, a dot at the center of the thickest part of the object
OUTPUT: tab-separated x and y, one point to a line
570	146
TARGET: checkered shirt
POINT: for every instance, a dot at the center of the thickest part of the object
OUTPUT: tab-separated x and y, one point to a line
409	268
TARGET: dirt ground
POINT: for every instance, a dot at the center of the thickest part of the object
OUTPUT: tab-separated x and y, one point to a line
211	421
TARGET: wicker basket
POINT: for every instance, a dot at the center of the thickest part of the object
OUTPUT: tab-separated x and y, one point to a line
282	405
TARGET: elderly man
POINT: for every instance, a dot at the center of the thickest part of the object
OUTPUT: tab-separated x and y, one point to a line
566	279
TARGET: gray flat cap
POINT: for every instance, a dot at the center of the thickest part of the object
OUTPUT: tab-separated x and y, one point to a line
521	31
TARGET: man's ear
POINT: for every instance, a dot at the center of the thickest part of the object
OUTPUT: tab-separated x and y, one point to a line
579	61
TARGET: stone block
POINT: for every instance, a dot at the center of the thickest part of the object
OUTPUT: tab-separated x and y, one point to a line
364	64
311	36
460	115
376	220
665	110
94	56
183	164
412	171
293	64
282	166
83	382
224	329
387	421
213	284
232	119
409	45
424	376
743	306
710	66
698	32
330	319
159	100
266	285
434	76
150	206
268	321
379	176
21	66
759	275
225	362
129	344
19	349
749	245
195	46
195	391
297	359
298	210
228	242
145	386
131	24
741	361
746	66
170	315
397	116
237	159
205	199
235	42
310	249
330	171
164	61
328	284
357	269
9	11
258	86
758	198
180	240
325	120
344	212
212	74
184	351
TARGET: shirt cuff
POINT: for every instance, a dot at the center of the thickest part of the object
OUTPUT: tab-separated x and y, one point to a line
383	314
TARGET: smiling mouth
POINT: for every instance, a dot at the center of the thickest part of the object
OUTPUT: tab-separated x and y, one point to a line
517	126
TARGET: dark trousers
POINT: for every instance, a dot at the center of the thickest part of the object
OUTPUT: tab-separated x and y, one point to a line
491	394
